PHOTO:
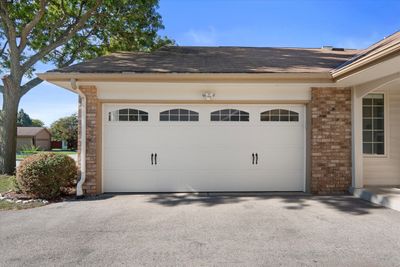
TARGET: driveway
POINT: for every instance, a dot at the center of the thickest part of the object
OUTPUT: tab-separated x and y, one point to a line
188	230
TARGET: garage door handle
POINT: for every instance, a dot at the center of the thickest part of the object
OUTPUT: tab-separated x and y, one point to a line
253	158
155	159
152	155
256	158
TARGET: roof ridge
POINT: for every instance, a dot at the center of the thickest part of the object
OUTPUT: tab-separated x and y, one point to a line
256	47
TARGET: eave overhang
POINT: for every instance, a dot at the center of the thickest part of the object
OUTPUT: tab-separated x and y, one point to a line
323	77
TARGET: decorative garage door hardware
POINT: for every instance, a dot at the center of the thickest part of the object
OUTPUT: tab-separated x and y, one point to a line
255	158
154	159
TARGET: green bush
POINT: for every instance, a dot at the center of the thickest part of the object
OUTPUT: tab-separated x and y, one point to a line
45	175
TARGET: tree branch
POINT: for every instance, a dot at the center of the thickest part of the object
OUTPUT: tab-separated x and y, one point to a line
62	39
29	85
9	28
28	27
3	49
2	89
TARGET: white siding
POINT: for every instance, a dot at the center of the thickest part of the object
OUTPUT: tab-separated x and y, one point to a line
385	170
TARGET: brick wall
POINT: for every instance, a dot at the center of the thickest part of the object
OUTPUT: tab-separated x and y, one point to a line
330	140
90	185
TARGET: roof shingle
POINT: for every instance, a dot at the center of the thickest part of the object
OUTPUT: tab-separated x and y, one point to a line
29	131
187	59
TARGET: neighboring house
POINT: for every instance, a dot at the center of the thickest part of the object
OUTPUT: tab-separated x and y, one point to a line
59	144
238	119
33	136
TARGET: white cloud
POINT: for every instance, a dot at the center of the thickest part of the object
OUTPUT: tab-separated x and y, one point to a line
201	37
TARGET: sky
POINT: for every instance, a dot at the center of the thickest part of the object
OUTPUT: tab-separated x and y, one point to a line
285	23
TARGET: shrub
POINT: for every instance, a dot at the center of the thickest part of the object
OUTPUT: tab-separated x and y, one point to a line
45	175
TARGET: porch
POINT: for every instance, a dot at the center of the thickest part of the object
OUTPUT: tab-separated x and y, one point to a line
376	141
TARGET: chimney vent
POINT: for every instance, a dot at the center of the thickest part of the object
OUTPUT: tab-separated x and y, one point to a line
331	48
327	47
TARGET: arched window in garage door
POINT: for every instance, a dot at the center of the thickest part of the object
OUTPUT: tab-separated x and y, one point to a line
128	114
179	115
229	115
279	115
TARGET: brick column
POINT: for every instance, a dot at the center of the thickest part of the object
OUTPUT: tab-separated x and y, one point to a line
90	186
331	165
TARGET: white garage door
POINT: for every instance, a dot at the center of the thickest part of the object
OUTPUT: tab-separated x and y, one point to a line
185	148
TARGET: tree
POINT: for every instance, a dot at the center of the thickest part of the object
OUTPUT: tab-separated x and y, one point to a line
37	123
62	32
66	129
23	119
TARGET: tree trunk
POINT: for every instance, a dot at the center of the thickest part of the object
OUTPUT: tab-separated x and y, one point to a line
8	126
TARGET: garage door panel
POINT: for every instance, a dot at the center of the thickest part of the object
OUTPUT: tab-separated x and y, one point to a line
199	181
128	159
122	137
270	136
279	158
203	158
203	155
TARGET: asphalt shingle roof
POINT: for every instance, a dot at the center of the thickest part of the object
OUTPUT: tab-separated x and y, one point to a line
29	131
187	59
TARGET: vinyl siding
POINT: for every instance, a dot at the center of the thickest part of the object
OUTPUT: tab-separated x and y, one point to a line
23	141
385	170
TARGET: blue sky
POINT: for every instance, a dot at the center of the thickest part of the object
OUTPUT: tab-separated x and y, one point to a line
290	23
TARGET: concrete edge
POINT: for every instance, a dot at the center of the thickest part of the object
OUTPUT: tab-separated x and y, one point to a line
378	199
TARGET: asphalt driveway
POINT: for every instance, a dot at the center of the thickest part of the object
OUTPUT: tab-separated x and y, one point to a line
187	230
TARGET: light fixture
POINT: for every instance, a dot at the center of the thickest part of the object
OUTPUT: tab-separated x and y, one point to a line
208	95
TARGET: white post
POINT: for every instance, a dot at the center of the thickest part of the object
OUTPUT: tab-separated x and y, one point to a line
357	150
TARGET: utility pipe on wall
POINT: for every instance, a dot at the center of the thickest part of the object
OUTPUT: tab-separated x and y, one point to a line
79	189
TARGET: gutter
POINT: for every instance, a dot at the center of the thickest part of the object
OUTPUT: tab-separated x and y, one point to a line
79	189
290	77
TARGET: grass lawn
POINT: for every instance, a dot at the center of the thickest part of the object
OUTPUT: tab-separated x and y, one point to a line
58	151
4	205
6	184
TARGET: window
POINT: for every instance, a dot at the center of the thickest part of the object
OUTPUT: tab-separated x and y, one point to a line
128	114
179	115
229	115
374	124
279	115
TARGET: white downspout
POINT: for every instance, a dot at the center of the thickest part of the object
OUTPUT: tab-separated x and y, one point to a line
79	190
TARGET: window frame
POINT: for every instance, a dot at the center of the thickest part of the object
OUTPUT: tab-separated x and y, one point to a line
179	115
230	115
297	114
386	122
110	115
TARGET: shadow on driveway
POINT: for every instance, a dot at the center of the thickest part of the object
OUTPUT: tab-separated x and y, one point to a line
290	201
343	203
